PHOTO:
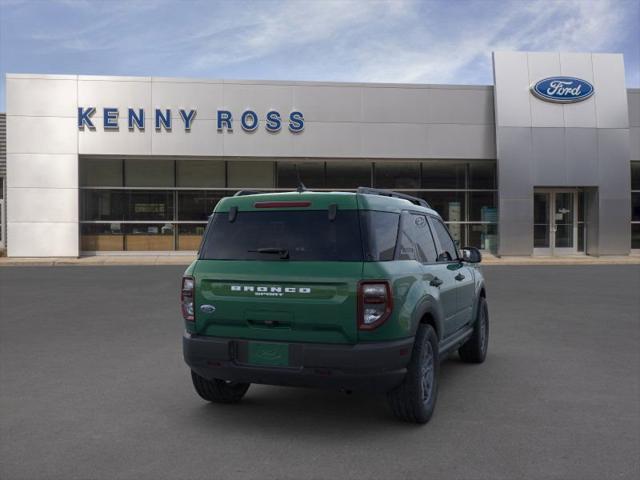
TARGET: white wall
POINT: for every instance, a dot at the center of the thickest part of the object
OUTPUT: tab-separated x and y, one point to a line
42	166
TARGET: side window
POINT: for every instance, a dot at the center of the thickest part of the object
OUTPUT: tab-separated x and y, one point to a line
380	230
448	251
416	242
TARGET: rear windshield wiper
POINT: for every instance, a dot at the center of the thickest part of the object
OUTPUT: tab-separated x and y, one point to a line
283	252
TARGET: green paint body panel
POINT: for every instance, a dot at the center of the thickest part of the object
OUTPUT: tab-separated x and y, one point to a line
317	301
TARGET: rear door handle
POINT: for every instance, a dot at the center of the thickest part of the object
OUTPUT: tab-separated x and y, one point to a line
436	282
459	277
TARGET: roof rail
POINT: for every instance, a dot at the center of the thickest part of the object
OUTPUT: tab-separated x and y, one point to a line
391	193
242	193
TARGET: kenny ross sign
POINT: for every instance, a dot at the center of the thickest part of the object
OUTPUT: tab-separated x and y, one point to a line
162	119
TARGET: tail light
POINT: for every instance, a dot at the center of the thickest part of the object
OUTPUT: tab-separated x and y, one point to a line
375	303
186	298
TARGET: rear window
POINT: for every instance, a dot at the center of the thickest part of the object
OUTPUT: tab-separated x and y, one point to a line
295	235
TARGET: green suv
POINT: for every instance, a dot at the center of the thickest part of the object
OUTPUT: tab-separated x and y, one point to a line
357	290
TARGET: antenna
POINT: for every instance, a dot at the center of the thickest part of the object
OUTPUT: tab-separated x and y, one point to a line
301	188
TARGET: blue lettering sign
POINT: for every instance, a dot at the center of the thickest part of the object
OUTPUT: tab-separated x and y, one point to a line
187	118
84	117
110	117
273	124
163	120
136	120
562	89
296	122
225	119
249	121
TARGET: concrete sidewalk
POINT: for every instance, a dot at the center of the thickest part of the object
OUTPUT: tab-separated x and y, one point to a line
187	259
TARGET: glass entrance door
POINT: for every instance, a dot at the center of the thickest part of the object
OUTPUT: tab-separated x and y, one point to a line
555	222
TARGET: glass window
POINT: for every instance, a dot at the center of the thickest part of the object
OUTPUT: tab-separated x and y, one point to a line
440	175
100	172
450	205
416	229
482	207
148	237
149	173
458	233
190	236
349	175
311	174
483	236
635	207
150	205
635	175
249	175
397	175
447	250
101	237
635	235
381	232
482	175
103	205
200	173
297	235
198	205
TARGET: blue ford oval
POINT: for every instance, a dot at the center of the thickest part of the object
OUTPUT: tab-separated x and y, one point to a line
562	89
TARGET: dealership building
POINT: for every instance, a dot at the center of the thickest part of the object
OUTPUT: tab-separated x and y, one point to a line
546	161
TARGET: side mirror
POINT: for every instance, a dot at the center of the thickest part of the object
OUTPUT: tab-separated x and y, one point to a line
471	255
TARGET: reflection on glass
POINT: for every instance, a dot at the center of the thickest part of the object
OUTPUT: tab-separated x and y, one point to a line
200	173
148	237
198	205
189	236
397	175
101	237
483	236
564	219
311	174
450	205
635	235
348	175
443	175
541	236
482	175
482	207
149	173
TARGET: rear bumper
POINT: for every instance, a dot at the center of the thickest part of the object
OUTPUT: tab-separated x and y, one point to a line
377	366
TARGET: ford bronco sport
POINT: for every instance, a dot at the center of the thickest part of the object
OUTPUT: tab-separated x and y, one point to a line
353	291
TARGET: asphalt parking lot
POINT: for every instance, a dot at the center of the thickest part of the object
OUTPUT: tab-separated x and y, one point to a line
92	386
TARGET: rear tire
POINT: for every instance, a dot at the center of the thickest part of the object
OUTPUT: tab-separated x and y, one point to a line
414	400
219	391
474	350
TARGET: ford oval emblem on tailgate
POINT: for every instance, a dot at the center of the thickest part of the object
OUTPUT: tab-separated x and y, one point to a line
207	308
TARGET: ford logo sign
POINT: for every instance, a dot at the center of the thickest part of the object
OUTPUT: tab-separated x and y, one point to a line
562	89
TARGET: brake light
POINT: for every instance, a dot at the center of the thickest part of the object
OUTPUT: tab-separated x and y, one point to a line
186	298
281	204
375	303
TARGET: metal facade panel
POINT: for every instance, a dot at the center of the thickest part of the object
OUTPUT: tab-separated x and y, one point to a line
42	239
115	94
511	75
461	106
581	114
549	157
259	98
461	141
634	143
44	170
394	140
614	222
633	99
120	141
582	156
175	95
41	97
515	165
613	161
515	226
41	135
53	205
202	139
544	114
396	105
612	110
329	103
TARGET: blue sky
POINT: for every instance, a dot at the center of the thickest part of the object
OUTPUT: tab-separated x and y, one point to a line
443	41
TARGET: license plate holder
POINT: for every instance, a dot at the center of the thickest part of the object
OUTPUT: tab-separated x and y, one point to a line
268	354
